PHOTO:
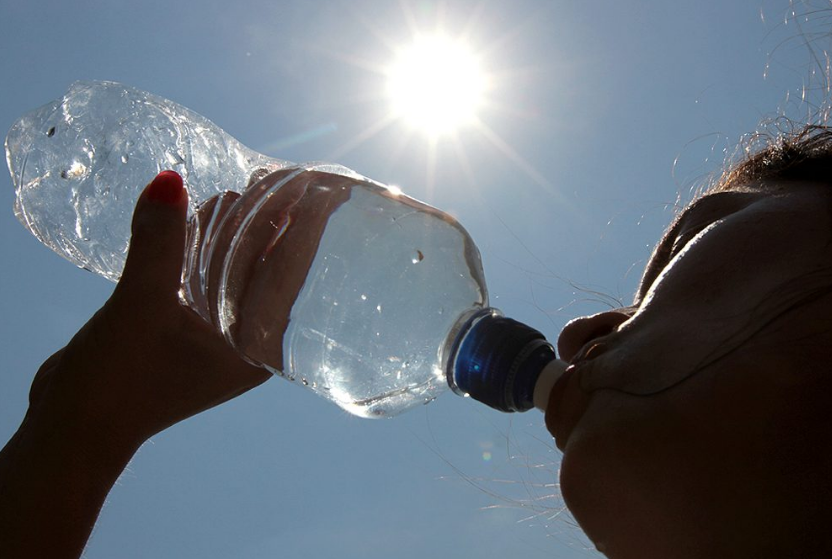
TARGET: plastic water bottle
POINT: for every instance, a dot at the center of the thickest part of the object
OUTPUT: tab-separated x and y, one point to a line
366	296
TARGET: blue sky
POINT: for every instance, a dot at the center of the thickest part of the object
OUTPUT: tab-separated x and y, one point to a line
565	188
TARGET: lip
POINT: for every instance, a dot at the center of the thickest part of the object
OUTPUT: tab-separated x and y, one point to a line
555	420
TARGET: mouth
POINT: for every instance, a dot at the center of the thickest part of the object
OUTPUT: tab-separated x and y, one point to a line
567	404
569	399
554	411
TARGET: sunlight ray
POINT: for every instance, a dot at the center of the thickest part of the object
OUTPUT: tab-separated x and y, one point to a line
473	20
359	139
303	137
500	43
430	181
518	160
465	163
467	170
382	34
392	155
409	17
353	60
511	110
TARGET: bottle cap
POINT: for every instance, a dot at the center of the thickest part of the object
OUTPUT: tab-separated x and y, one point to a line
498	362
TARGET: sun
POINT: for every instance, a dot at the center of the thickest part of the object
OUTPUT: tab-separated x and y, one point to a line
436	85
439	84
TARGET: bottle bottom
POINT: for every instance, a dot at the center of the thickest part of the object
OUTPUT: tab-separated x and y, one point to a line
387	404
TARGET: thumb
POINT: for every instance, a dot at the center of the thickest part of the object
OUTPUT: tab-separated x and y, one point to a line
154	260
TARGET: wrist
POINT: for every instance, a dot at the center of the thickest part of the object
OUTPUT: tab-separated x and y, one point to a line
54	477
100	446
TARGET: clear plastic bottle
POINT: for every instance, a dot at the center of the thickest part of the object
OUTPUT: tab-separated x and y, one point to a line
368	297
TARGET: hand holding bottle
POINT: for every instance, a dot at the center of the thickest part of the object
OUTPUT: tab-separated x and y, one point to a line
144	361
271	261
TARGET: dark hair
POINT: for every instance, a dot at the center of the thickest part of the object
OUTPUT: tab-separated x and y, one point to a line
804	155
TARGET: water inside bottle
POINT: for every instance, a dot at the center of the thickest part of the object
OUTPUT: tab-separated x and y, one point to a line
335	281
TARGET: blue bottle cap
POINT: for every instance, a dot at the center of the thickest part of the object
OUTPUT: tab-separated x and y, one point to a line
498	362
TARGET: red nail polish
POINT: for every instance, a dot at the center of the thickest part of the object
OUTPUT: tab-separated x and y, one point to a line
166	188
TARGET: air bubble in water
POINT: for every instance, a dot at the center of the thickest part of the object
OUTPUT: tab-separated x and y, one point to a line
76	171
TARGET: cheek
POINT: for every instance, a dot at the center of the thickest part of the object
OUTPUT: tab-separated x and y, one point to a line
627	465
664	471
607	449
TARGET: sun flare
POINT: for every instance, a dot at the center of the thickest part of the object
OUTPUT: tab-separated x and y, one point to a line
436	85
445	88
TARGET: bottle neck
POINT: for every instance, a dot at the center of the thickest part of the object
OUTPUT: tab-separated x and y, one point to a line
546	382
498	361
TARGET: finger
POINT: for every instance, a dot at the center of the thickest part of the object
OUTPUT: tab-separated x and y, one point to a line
154	261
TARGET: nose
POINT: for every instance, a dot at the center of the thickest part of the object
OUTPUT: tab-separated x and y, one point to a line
580	331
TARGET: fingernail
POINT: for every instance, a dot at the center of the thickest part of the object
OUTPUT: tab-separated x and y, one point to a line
166	188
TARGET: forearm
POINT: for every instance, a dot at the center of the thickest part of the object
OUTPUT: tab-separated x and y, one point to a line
54	477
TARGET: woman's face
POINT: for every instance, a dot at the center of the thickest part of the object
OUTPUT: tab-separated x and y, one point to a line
696	423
